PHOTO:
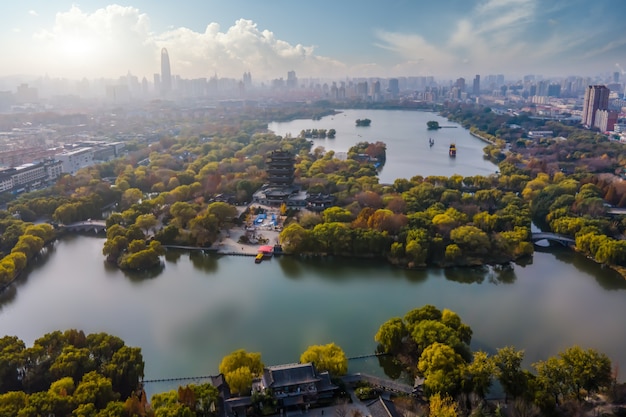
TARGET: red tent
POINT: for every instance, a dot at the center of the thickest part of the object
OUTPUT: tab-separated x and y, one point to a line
266	249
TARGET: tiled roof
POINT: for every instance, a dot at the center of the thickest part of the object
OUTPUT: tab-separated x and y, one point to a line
287	375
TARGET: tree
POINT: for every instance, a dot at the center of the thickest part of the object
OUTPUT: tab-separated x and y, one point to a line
11	351
336	214
239	380
479	374
390	334
239	367
95	389
223	212
471	238
328	357
509	371
574	371
442	369
146	222
294	238
442	406
432	125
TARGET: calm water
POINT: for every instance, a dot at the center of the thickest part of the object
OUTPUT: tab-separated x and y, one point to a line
406	136
200	308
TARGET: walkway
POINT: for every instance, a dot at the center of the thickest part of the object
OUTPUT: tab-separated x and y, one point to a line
552	237
85	226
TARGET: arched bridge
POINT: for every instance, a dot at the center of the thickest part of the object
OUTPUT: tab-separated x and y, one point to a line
552	237
97	226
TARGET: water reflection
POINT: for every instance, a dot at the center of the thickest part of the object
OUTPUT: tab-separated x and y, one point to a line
139	277
604	276
205	262
494	274
390	366
173	256
291	267
475	275
7	295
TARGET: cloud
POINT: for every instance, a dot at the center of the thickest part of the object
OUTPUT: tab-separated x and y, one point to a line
33	13
499	36
114	40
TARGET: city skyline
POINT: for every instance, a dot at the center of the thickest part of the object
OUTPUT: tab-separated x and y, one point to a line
369	38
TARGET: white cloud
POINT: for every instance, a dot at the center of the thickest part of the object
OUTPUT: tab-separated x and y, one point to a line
497	36
33	13
114	40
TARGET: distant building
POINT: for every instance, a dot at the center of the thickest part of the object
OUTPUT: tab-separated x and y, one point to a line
605	120
538	134
26	94
29	175
166	73
596	98
476	85
394	87
76	159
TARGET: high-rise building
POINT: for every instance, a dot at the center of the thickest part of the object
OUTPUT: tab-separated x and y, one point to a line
292	80
476	85
394	87
596	98
166	73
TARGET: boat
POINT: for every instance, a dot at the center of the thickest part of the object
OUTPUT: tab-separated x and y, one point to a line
259	258
431	141
452	151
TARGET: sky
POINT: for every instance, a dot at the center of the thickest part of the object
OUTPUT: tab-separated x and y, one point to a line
316	38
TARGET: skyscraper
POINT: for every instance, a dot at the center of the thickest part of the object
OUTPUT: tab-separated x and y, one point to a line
476	85
166	73
596	98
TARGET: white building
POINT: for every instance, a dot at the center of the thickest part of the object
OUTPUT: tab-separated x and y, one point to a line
74	160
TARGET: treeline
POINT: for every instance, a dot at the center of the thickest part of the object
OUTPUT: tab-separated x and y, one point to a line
73	374
576	208
434	345
318	133
70	373
20	242
422	221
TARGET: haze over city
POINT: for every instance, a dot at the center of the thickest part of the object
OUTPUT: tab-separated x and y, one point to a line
449	38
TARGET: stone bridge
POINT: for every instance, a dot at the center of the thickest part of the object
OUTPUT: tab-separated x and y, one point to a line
97	226
552	237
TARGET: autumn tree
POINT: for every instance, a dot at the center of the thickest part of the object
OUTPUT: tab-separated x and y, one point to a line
328	357
239	368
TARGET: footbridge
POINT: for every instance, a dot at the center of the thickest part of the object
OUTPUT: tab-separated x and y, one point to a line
96	226
552	237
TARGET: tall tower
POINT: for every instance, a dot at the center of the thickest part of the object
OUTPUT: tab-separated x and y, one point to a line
476	85
166	73
596	98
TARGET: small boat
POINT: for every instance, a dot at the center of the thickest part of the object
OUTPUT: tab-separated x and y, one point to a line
452	151
431	142
259	258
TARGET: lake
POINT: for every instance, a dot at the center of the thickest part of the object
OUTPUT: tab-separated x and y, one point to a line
202	307
406	136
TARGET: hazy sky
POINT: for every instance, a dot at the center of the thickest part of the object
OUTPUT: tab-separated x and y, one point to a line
329	38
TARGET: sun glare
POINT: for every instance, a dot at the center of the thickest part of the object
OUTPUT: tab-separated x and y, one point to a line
76	47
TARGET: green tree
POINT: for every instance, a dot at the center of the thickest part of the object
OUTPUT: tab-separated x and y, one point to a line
479	374
328	357
442	406
146	222
390	335
442	369
239	367
509	371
